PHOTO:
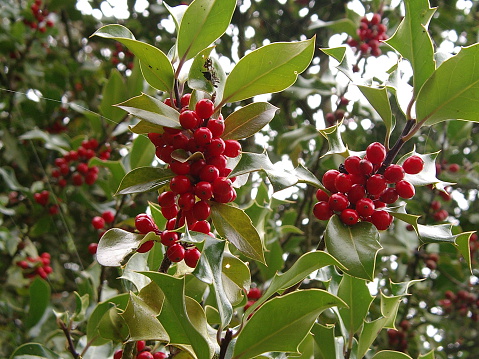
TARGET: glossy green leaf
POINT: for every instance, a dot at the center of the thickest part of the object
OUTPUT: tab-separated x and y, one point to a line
369	334
81	306
305	176
355	293
304	266
354	247
203	22
287	323
206	74
151	110
336	145
324	338
8	175
208	270
142	322
452	91
112	326
252	162
379	100
144	179
340	54
174	317
33	351
236	277
234	224
39	301
113	92
145	127
462	244
413	42
248	120
176	13
389	308
142	152
115	245
155	65
137	262
116	169
391	354
271	68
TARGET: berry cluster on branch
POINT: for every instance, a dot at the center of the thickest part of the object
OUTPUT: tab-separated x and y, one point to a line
143	352
369	36
36	266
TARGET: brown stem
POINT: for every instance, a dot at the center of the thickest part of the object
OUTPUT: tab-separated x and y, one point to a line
71	346
225	342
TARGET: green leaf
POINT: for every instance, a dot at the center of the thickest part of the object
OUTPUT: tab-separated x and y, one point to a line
8	175
113	92
252	162
389	308
462	245
378	98
208	270
263	71
324	338
369	334
413	42
39	301
144	179
304	266
452	91
142	152
209	78
145	127
305	176
355	293
340	55
112	326
289	140
287	323
354	247
248	120
234	224
32	351
336	145
203	22
115	245
429	355
342	25
142	322
391	354
174	317
137	262
176	13
116	169
155	65
151	110
236	277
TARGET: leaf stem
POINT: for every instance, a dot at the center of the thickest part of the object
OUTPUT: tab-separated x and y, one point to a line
224	343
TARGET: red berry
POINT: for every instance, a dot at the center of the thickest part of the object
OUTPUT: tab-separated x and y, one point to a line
202	136
92	248
322	211
352	165
222	185
338	202
108	216
322	196
343	182
394	173
365	167
77	179
413	165
329	179
349	217
145	247
140	345
435	205
376	184
202	227
381	219
167	199
185	100
204	108
169	238
453	168
170	212
216	147
201	210
188	120
440	215
389	196
232	148
365	207
98	222
156	139
376	153
356	192
405	189
254	293
376	19
180	168
41	272
159	355
204	190
216	126
145	355
180	184
145	224
175	253
186	201
23	264
192	256
209	173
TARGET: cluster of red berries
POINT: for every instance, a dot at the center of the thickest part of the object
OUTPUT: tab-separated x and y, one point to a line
143	352
36	266
370	33
122	55
202	178
333	117
176	250
43	199
430	260
253	295
438	214
464	303
359	191
39	20
99	222
398	338
74	167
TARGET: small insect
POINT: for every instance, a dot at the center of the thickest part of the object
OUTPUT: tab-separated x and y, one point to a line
210	73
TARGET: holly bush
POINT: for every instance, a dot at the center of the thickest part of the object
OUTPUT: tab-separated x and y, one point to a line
252	179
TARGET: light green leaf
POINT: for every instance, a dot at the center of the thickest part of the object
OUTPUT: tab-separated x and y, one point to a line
271	68
354	247
340	54
8	175
39	301
336	145
116	169
145	127
137	262
113	92
112	326
369	334
413	42
324	338
151	110
176	13
144	179
287	323
462	245
429	355
203	22
452	91
355	293
234	224
155	65
305	176
248	120
206	74
236	277
142	152
32	351
391	354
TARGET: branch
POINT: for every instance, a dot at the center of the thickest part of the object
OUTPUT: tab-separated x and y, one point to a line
71	346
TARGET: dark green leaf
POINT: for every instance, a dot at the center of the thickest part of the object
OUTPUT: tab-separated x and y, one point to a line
324	338
234	224
113	92
39	301
144	179
33	351
145	127
248	120
369	334
354	247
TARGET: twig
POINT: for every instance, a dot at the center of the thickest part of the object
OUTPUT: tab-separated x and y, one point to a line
71	346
